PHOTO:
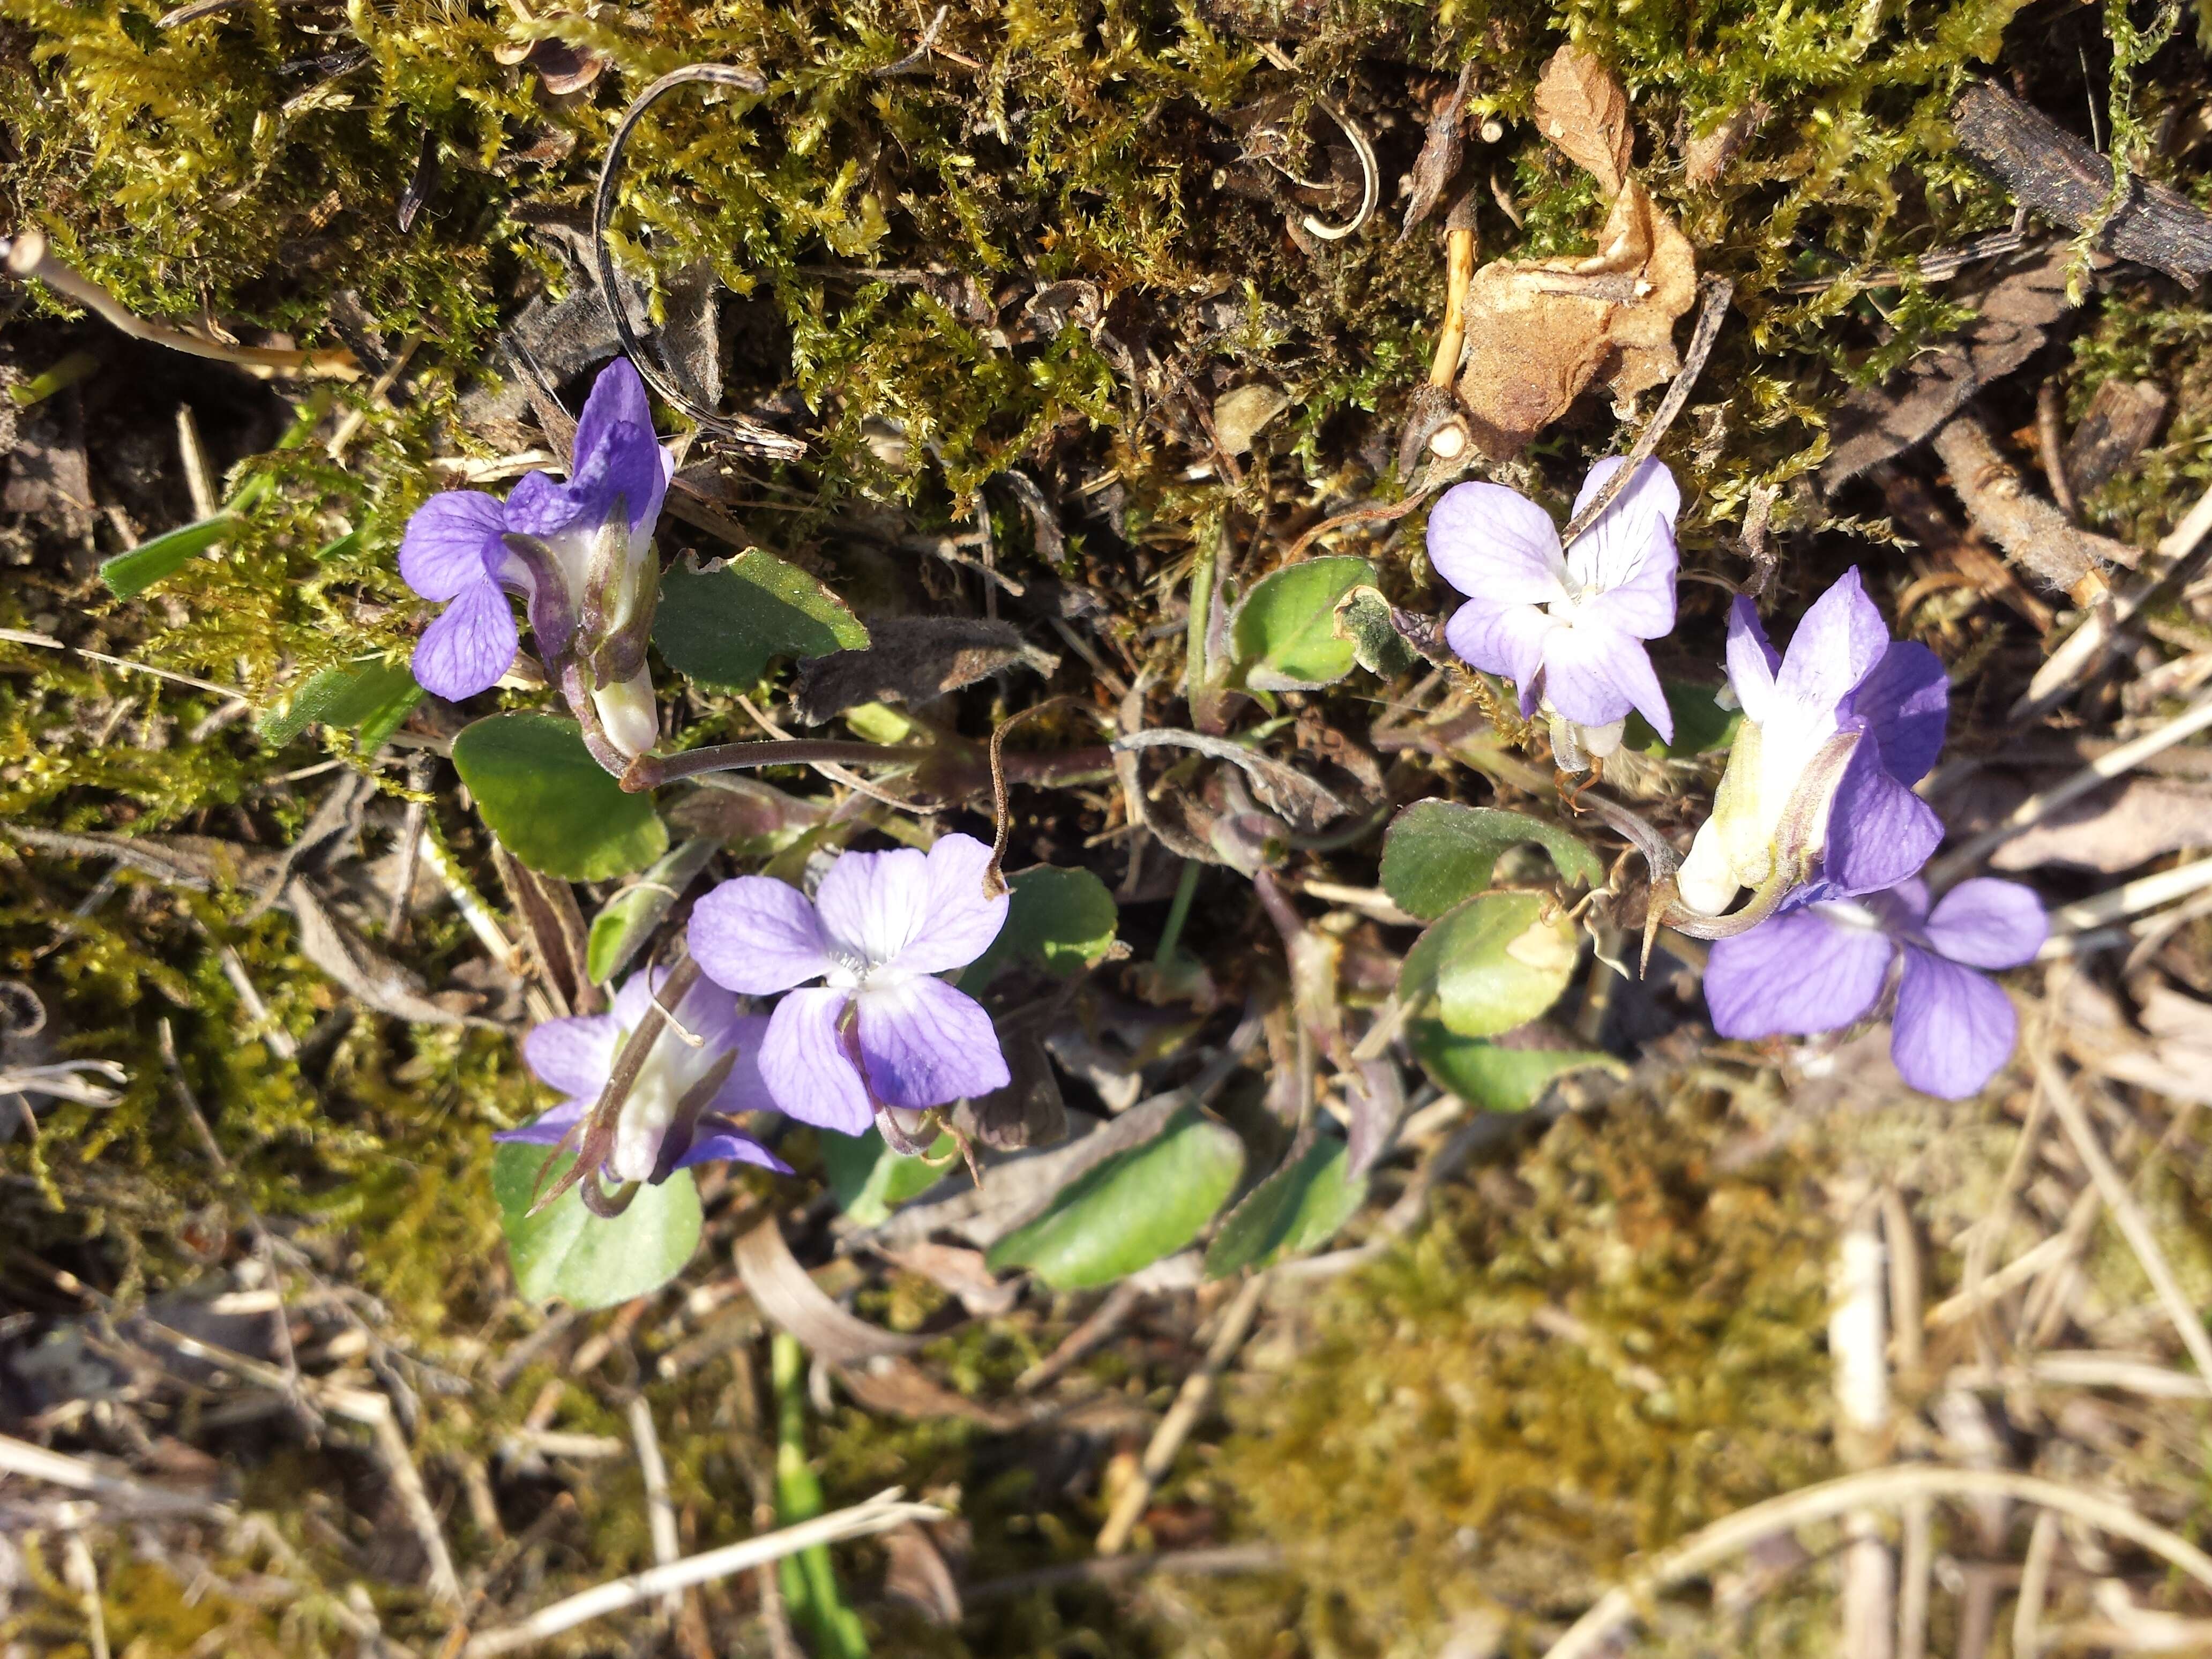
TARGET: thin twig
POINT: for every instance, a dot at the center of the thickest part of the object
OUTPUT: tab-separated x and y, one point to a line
2034	1586
1590	1635
659	1512
1371	174
2143	893
29	256
1718	292
879	1514
21	1457
19	636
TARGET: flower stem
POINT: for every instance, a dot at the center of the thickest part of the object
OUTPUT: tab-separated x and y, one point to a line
1178	912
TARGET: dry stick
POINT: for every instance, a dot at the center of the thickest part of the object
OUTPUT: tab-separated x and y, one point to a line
1858	1340
2133	1225
2034	1586
29	256
1590	1635
1718	292
2035	535
2051	445
1190	1404
21	1457
2037	807
1120	1302
659	1512
879	1514
82	1575
2143	893
47	641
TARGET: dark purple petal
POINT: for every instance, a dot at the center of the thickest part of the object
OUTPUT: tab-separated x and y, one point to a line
1495	544
1954	1030
538	505
616	455
549	1130
452	543
744	1090
1906	702
1752	661
804	1062
958	922
1594	675
1507	640
1797	972
728	1147
573	1056
1880	832
1837	645
926	1044
1986	923
469	646
759	936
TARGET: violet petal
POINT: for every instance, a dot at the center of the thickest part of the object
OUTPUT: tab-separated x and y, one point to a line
452	543
1987	923
1879	831
1797	972
958	922
1906	702
1495	544
744	1090
925	1043
1954	1030
803	1063
1837	645
728	1147
1507	640
573	1056
471	644
1752	661
1594	675
549	1129
757	936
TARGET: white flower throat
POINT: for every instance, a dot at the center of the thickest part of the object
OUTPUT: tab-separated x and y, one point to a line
672	1069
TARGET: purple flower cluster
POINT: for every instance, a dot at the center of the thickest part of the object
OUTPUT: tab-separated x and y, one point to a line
581	555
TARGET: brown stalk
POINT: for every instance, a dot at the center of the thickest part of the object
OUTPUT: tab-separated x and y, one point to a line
629	1063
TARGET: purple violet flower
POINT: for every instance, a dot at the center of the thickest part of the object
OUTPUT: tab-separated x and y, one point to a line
1822	965
1842	675
580	553
664	1126
1566	627
880	926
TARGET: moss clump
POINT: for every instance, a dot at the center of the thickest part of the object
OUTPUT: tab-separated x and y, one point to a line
1614	1344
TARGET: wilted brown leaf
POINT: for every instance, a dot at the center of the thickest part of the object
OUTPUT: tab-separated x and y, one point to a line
1539	332
914	659
1705	158
1582	109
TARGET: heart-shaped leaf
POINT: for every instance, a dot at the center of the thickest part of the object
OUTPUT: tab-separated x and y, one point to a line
1061	920
589	1260
1284	634
1298	1208
550	802
723	626
1438	853
627	921
1131	1210
1492	964
1497	1079
371	696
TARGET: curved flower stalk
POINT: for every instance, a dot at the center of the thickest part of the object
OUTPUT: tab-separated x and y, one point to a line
880	1030
1818	785
1566	626
681	1111
579	553
1824	964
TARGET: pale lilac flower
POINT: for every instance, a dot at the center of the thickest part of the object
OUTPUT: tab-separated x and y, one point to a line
879	927
673	1119
580	553
1861	829
1824	965
1566	627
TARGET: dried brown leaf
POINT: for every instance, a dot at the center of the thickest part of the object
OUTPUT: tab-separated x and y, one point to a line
1705	159
914	659
1583	110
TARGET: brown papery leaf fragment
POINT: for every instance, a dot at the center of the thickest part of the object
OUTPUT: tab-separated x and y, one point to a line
1539	332
1582	109
1705	159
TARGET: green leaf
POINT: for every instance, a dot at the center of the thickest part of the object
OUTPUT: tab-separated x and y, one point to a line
1284	634
1438	853
1062	920
370	694
589	1260
627	921
1701	725
870	1180
1494	1079
1492	964
721	627
1363	617
129	575
1298	1208
548	800
1131	1210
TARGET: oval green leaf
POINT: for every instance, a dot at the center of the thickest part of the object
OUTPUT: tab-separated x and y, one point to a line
1492	964
1132	1210
1062	920
1284	634
1493	1079
1438	853
722	627
1298	1208
550	804
589	1260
